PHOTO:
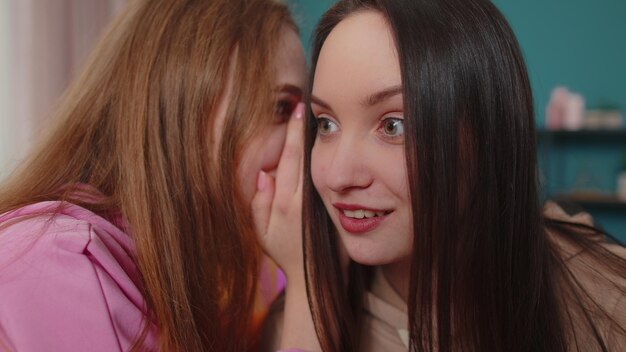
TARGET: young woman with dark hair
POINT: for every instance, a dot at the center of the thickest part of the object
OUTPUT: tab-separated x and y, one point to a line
423	228
131	226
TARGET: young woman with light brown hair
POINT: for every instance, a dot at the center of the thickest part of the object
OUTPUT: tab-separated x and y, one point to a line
130	227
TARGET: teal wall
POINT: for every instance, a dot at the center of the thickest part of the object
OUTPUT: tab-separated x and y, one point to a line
577	43
580	44
307	13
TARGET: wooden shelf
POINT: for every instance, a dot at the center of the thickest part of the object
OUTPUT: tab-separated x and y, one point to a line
554	146
592	200
600	134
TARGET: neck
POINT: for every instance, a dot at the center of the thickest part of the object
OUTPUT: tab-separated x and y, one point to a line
398	276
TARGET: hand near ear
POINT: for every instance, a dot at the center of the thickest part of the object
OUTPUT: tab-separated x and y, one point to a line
277	205
277	209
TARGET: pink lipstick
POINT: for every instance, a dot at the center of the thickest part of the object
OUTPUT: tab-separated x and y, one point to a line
356	225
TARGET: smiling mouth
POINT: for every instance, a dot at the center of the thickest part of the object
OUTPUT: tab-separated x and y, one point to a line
364	214
357	219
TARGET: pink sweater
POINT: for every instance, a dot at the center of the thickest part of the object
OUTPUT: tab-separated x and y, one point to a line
67	282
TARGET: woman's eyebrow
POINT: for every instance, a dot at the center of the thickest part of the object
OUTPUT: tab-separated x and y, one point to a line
317	101
369	101
289	88
382	95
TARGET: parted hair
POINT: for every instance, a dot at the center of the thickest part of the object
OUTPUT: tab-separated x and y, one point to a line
488	271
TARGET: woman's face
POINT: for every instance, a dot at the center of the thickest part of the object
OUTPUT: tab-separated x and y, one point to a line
263	151
358	163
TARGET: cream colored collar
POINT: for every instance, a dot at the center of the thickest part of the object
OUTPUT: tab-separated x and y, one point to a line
384	303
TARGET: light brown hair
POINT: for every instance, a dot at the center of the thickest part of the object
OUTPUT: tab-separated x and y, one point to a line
136	126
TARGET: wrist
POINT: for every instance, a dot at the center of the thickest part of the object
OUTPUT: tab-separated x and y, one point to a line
294	275
298	327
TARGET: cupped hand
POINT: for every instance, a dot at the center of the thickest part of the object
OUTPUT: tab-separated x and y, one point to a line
277	205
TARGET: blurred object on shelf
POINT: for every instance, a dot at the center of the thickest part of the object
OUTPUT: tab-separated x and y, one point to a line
565	110
608	119
574	112
555	111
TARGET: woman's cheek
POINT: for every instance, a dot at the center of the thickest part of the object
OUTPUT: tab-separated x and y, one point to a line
247	173
261	153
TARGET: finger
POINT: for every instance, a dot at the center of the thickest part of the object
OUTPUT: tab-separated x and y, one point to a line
300	177
262	203
288	171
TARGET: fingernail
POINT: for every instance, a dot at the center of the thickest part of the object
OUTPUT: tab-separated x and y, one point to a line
299	110
261	182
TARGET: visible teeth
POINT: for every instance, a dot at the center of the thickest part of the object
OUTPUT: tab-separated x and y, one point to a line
360	214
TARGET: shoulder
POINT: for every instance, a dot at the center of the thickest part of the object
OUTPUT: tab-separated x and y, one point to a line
48	233
597	295
31	241
600	273
66	282
596	271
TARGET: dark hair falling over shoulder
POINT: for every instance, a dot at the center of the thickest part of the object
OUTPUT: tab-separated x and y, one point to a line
486	274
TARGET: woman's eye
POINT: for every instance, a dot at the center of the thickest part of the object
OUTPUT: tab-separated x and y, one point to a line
392	127
284	109
325	126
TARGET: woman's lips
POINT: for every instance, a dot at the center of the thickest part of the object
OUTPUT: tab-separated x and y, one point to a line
356	221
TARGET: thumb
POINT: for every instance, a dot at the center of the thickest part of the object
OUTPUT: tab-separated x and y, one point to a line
262	202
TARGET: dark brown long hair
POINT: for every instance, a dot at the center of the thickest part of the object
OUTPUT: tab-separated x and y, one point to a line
486	274
136	126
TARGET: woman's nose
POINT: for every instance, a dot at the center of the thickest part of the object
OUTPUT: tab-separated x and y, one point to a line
348	168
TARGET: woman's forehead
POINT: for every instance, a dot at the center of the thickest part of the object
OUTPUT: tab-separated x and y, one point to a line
359	54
